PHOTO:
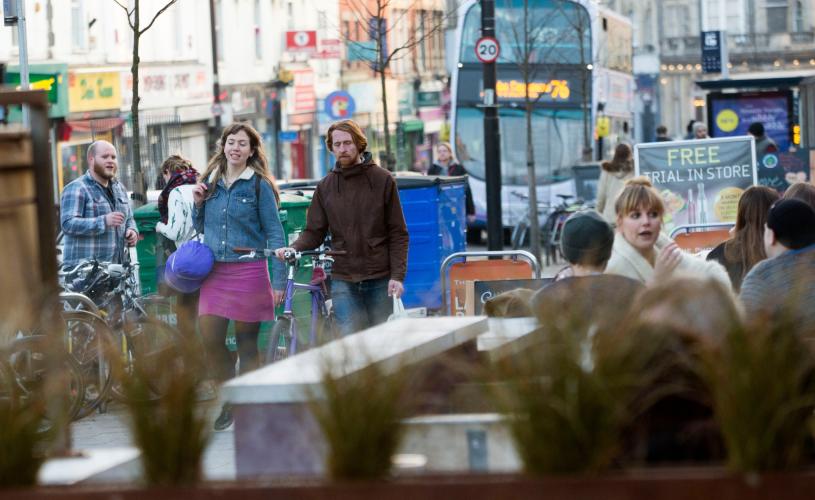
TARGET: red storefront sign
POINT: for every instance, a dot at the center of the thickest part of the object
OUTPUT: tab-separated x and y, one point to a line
301	41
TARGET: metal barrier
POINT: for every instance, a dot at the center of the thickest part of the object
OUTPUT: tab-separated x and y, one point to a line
487	253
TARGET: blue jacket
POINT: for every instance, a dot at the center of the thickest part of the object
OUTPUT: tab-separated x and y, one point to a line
82	218
229	218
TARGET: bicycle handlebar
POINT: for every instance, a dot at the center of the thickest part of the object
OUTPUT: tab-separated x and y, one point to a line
269	252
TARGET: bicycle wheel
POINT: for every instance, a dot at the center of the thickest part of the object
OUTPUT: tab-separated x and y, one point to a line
327	329
151	349
519	235
90	342
280	340
29	365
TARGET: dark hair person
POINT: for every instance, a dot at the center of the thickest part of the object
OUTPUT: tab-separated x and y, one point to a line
746	248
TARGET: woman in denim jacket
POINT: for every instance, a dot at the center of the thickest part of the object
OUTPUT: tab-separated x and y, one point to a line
236	206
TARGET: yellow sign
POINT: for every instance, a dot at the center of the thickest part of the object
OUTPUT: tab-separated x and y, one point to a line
94	91
603	126
514	89
727	120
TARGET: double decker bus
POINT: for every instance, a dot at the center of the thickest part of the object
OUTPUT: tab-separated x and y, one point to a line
581	56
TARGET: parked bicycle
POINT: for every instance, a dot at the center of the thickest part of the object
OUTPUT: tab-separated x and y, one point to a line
522	230
24	367
553	226
284	340
136	329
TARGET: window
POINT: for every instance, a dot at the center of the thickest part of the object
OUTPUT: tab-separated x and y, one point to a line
258	34
79	31
799	16
776	18
219	32
178	32
290	14
678	25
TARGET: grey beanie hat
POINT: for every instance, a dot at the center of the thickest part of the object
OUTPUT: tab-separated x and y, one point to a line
586	235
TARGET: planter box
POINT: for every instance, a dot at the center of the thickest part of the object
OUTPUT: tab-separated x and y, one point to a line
645	484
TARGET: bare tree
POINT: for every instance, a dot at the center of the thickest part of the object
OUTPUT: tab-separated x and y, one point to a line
374	15
580	25
134	21
527	34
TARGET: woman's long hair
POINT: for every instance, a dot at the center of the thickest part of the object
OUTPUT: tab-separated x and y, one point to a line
257	161
623	160
747	244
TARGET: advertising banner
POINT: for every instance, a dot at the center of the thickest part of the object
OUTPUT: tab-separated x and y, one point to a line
732	114
700	181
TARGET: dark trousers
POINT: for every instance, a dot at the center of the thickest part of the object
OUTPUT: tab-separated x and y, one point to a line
220	361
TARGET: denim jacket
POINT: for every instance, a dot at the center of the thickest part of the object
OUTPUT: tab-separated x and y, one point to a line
229	218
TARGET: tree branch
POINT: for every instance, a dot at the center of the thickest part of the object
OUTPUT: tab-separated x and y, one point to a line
160	12
128	13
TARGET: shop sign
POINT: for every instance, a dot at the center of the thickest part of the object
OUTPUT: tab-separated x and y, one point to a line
555	90
305	99
52	78
701	181
168	87
287	136
94	91
301	42
339	105
328	49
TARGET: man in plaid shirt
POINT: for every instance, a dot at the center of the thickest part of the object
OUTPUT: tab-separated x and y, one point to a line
96	217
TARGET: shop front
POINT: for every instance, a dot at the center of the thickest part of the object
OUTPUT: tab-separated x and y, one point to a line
174	110
94	103
52	78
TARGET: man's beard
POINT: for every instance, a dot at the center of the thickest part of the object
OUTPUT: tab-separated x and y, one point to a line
102	172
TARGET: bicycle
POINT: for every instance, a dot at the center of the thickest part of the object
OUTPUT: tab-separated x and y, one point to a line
283	340
521	231
553	226
25	367
121	318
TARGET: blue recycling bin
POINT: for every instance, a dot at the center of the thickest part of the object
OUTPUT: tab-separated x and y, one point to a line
436	220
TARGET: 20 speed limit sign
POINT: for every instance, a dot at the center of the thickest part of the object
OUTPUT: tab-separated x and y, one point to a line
487	49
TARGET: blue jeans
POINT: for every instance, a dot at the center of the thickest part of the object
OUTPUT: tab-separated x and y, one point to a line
358	306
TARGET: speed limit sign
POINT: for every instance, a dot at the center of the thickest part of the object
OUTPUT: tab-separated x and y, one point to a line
487	49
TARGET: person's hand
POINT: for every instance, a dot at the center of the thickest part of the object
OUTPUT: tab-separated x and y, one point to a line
395	288
667	260
199	192
114	219
280	251
131	237
278	296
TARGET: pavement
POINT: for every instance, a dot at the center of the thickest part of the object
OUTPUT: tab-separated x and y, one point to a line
111	430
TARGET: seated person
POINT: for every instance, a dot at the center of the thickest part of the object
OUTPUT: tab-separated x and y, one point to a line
586	243
785	283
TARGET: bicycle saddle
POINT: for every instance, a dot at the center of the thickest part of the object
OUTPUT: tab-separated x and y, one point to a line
318	275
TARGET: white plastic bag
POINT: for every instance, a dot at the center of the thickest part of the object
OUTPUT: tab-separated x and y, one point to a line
400	312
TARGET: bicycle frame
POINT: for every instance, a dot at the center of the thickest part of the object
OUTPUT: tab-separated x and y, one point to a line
317	305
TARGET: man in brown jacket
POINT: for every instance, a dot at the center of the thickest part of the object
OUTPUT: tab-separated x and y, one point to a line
358	203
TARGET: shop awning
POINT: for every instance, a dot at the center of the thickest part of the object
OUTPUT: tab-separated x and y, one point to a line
96	125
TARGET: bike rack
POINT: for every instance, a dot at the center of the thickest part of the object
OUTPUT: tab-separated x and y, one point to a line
82	299
515	254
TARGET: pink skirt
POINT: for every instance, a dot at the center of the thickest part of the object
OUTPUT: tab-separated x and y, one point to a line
240	291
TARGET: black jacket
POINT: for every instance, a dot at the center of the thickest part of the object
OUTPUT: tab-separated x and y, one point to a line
456	169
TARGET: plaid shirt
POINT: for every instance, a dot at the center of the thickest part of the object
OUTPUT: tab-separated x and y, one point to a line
82	218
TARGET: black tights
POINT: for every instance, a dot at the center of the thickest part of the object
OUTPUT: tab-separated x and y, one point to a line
213	333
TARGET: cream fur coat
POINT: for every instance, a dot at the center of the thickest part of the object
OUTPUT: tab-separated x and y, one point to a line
627	261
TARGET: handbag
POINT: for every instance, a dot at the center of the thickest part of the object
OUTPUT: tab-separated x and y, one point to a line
188	267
